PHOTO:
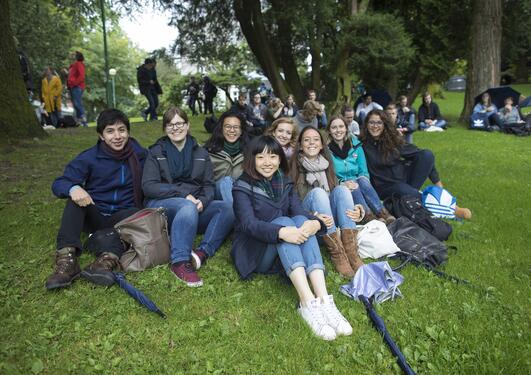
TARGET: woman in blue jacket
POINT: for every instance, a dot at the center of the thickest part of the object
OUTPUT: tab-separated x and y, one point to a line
178	177
489	109
272	226
102	186
351	170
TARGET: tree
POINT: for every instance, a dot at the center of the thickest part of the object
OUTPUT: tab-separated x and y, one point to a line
17	118
484	61
516	42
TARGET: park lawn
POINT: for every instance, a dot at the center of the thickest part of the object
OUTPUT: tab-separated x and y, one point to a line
233	327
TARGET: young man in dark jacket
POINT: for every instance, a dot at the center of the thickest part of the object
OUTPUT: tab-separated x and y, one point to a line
102	186
149	86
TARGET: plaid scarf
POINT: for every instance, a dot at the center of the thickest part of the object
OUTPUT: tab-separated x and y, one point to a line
274	188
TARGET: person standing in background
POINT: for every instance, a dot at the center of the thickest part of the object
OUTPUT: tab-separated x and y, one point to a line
192	91
76	85
210	91
51	90
149	86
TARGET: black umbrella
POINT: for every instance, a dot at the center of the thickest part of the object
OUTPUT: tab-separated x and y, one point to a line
137	294
499	94
380	327
381	97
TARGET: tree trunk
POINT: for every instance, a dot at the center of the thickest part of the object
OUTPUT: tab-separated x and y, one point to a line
315	52
343	79
249	15
485	51
419	83
17	118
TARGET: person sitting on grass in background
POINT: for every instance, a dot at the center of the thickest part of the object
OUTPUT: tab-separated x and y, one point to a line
509	113
102	186
365	107
312	171
397	168
405	118
274	110
274	232
489	108
351	170
259	112
321	116
290	108
178	177
430	118
352	125
308	115
284	130
225	148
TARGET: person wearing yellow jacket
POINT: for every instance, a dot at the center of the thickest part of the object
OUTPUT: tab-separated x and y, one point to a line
51	95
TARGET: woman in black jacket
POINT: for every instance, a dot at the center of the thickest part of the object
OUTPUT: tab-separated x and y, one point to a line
271	225
178	177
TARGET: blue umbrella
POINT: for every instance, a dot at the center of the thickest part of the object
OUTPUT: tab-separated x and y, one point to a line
137	294
379	282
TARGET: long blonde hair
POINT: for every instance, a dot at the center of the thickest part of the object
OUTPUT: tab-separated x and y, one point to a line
284	120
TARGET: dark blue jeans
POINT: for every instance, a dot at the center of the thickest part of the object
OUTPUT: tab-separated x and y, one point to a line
153	103
418	171
215	221
191	104
76	93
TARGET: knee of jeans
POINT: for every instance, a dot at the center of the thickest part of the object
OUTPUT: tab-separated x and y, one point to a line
341	191
284	220
299	220
427	155
188	209
318	193
363	180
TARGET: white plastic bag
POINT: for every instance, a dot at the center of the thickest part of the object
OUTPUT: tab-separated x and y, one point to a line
375	241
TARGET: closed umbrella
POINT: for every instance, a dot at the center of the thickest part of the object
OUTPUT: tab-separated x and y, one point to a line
137	294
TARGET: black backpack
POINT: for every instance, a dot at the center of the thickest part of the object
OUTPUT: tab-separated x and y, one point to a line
416	244
411	207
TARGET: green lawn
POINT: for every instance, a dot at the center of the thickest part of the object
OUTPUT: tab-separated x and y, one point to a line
234	327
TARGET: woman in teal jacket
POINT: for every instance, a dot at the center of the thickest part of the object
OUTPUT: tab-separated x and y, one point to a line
351	170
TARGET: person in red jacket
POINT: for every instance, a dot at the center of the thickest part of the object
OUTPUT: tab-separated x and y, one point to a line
76	85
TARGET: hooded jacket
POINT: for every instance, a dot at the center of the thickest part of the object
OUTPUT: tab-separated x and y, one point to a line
157	182
253	230
302	122
108	181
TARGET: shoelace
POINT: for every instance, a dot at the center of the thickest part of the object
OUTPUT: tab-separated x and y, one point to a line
64	263
317	315
332	311
188	268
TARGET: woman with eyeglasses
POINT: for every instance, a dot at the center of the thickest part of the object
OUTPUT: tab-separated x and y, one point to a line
395	167
178	177
225	148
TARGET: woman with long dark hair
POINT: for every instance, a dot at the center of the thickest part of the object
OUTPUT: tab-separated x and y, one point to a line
312	171
272	227
430	118
178	177
225	148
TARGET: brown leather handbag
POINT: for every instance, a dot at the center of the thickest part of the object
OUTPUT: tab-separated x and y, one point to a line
146	233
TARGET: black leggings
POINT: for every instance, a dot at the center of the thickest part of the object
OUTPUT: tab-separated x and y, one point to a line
77	219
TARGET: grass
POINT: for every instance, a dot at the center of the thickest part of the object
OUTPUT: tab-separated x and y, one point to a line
234	327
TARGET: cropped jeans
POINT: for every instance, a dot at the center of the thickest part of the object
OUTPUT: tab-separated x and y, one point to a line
334	204
215	221
366	196
307	254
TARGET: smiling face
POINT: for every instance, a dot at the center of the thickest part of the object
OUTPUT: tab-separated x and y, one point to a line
266	163
115	136
177	129
311	144
338	130
375	126
232	129
283	133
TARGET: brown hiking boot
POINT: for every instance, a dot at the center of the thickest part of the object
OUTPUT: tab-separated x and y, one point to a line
369	216
349	237
337	254
100	271
389	219
66	269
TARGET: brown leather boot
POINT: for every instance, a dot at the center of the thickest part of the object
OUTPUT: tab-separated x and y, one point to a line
66	269
349	237
337	254
369	216
100	271
389	219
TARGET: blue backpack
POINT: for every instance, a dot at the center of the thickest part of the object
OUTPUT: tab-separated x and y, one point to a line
439	202
479	121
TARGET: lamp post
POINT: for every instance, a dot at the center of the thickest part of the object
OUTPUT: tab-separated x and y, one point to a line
112	73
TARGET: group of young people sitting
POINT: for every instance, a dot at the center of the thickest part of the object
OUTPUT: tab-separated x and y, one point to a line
280	193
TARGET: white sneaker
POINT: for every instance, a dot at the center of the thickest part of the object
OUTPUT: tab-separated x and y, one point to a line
334	318
312	313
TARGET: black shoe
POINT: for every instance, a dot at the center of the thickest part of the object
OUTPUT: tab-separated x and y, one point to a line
100	271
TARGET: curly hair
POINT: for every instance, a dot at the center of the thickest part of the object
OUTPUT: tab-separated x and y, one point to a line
389	142
284	120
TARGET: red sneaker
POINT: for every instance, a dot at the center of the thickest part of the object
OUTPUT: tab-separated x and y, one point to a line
199	258
185	272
